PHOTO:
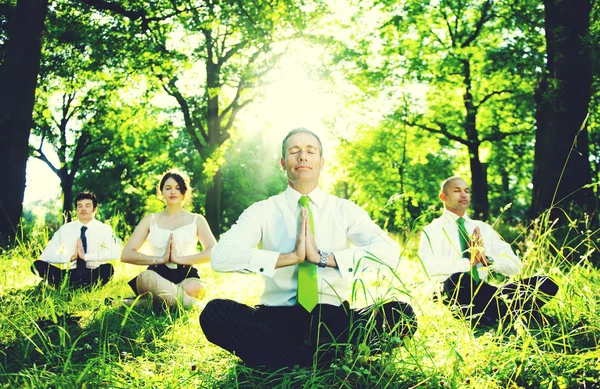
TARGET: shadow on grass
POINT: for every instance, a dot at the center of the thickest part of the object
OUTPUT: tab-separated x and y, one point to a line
40	331
386	370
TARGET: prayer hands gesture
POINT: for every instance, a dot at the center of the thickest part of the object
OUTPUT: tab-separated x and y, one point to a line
305	235
306	247
79	252
166	257
476	249
175	258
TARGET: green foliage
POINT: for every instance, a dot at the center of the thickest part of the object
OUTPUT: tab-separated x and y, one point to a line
79	94
593	124
389	176
206	59
124	177
40	216
465	73
6	17
252	173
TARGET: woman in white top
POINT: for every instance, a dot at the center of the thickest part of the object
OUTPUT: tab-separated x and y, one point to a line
166	242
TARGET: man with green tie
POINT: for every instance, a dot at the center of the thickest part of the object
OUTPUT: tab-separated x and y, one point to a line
310	245
460	252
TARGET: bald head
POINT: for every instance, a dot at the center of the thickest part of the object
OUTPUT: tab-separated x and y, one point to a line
447	182
456	195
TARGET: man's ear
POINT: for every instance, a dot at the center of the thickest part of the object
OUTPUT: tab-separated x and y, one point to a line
282	163
443	196
322	162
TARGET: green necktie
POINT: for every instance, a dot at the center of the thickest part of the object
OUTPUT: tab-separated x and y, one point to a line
308	290
464	245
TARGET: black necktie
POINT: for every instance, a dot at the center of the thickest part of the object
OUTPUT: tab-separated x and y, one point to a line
81	266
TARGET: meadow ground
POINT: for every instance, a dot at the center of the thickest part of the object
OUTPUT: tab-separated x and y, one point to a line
87	339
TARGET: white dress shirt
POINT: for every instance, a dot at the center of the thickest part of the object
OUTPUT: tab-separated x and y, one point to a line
102	246
272	225
441	255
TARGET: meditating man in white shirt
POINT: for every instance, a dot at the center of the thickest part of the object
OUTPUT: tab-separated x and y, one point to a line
460	252
84	245
306	245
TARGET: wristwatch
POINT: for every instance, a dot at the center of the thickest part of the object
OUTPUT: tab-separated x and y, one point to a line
323	261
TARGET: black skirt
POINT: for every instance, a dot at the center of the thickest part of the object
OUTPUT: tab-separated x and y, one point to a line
174	275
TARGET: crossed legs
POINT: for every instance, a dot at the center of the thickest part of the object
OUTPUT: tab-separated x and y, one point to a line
56	276
486	304
186	293
279	337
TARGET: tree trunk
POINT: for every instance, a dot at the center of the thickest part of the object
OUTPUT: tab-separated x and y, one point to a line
562	101
213	204
18	78
66	184
479	186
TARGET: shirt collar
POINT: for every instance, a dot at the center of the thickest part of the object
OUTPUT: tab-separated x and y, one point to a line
91	223
452	216
317	197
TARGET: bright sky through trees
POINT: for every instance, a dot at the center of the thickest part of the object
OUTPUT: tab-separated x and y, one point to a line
41	183
292	99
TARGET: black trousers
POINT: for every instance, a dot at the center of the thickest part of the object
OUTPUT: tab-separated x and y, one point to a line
279	337
74	278
489	304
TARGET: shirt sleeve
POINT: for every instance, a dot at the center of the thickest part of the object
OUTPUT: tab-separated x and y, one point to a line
237	251
372	247
505	261
107	247
60	248
435	259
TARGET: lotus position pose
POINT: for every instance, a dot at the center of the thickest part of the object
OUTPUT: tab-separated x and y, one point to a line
306	245
460	252
170	249
85	244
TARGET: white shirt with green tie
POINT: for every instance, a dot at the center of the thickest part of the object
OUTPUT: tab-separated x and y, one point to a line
441	256
270	227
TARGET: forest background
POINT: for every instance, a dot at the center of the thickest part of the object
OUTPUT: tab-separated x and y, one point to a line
502	93
110	94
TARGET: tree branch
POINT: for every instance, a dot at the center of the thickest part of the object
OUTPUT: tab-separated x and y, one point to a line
237	108
489	96
131	14
231	52
485	16
41	156
82	143
498	135
440	130
189	122
243	85
118	9
450	31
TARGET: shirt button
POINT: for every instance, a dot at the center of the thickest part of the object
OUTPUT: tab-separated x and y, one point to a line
262	270
349	270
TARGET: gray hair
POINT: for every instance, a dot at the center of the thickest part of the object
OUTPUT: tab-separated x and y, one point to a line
297	131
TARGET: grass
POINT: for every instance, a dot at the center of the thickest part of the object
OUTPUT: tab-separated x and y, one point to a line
61	339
